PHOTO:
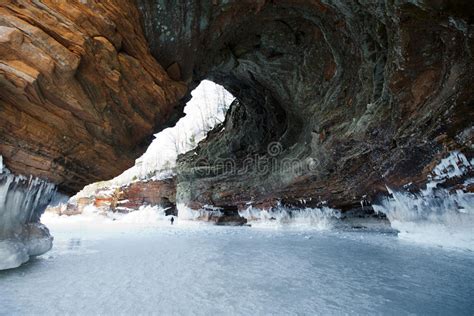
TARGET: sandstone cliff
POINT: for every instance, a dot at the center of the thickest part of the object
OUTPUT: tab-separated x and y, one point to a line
80	94
359	95
125	199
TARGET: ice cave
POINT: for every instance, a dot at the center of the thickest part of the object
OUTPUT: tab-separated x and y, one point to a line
240	157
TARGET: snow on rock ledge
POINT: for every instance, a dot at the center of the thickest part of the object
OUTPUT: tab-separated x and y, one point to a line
317	218
436	215
22	201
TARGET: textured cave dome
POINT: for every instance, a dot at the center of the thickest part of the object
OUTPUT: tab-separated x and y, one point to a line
369	93
362	90
364	95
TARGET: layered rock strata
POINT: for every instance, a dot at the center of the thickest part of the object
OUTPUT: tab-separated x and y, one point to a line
80	93
336	100
125	199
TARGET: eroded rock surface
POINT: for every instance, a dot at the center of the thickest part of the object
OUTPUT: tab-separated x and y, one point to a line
358	96
80	94
125	199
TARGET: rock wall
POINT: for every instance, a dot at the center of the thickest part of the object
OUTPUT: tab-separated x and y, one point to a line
80	94
80	98
152	192
336	99
125	199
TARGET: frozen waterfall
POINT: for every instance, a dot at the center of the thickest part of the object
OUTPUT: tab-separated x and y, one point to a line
436	215
22	201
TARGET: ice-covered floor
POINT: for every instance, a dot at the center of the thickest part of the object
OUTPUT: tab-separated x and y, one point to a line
208	270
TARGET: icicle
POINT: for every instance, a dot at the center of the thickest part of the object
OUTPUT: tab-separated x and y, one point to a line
454	165
319	218
434	215
22	200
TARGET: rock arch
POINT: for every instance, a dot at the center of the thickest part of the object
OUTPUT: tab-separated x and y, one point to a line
372	94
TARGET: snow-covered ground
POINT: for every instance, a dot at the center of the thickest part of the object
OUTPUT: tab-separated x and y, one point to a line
127	267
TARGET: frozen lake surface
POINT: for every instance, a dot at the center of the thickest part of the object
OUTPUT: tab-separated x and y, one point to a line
209	270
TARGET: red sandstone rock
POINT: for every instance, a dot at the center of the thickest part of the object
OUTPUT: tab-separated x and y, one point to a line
80	94
364	94
127	198
153	192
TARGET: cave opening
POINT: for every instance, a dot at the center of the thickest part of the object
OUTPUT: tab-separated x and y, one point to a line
351	125
204	112
293	72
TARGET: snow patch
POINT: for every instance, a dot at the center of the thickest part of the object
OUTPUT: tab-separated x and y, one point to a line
322	218
187	214
313	218
145	215
455	165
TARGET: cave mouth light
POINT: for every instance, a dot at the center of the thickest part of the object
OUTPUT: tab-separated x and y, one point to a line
206	109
